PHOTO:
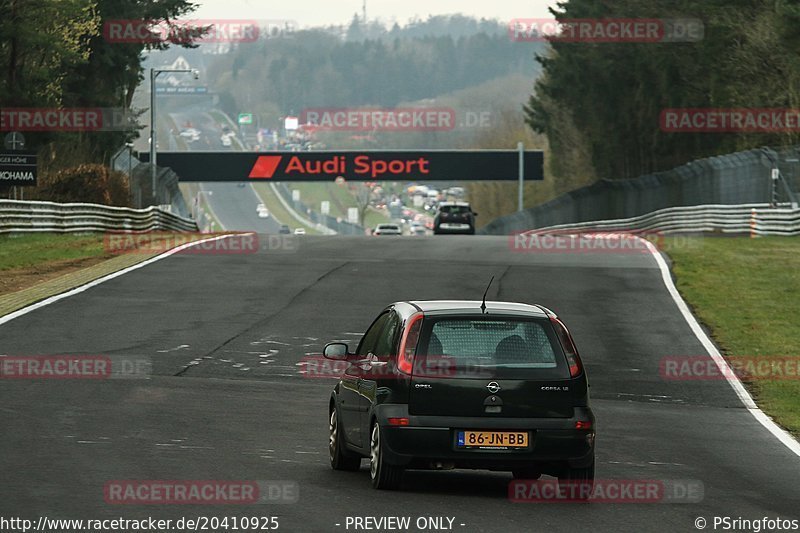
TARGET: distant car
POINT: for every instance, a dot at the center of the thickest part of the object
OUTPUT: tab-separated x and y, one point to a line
299	231
284	229
263	213
190	134
463	384
387	229
418	231
241	185
226	140
454	217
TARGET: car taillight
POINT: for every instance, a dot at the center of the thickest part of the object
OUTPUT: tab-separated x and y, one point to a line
408	345
583	424
573	359
398	421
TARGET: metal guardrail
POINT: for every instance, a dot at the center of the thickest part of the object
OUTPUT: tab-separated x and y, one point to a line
755	219
27	217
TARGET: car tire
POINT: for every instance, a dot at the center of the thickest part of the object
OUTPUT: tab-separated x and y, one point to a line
341	458
384	476
583	477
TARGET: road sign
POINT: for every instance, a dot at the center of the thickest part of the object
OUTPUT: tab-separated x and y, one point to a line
245	119
18	170
295	195
14	141
352	215
325	207
355	165
291	123
197	89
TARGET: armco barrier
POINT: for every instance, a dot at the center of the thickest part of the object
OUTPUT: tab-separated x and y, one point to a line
27	217
733	179
758	219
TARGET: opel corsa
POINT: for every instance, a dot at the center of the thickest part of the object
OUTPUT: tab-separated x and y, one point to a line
462	384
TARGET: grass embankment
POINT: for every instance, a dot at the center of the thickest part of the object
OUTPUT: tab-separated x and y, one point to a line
31	258
340	198
747	291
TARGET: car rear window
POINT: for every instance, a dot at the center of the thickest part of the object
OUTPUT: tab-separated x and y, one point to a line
511	348
455	209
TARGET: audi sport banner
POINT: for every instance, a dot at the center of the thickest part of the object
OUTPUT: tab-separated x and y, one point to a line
436	165
18	169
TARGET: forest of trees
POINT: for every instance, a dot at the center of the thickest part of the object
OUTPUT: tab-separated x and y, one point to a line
599	103
368	65
53	54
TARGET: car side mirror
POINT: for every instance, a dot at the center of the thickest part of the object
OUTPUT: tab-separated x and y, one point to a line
336	351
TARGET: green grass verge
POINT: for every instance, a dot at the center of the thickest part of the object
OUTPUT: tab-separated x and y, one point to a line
747	291
37	249
340	198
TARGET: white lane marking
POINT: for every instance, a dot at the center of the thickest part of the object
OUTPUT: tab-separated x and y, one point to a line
733	380
181	347
77	290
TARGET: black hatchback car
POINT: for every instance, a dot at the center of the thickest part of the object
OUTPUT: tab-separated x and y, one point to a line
454	217
449	384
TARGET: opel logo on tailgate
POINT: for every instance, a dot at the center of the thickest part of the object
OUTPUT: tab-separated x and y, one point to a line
493	387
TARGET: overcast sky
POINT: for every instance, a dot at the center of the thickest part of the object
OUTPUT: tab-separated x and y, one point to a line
324	12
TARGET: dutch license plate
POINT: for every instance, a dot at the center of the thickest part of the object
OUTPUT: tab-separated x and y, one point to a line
492	439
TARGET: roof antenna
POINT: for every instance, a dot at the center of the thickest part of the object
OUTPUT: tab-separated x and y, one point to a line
483	303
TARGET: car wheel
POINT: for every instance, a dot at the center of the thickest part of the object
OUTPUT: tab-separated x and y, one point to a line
383	475
341	459
583	478
526	473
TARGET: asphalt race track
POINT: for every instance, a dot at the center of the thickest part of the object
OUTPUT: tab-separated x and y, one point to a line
236	208
226	400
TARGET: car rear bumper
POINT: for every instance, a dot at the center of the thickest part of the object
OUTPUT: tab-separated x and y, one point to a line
454	228
431	439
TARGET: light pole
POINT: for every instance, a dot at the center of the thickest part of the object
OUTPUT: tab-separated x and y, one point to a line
153	75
